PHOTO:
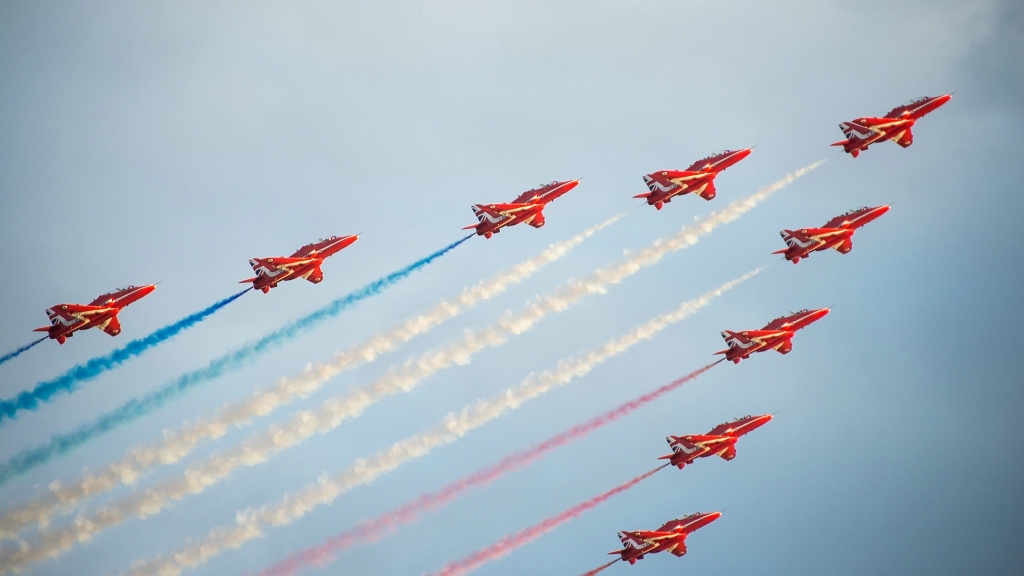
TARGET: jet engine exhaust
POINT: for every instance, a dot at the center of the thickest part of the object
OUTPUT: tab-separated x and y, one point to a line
16	353
600	568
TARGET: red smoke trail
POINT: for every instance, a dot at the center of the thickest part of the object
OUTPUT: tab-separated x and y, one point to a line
373	530
508	544
600	568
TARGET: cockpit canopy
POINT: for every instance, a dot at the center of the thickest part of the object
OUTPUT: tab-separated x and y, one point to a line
854	211
715	155
916	100
122	288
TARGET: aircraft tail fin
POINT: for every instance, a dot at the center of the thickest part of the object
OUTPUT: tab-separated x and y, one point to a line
840	143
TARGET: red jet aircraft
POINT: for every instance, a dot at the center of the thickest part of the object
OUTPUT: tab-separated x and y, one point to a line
699	178
305	263
669	538
836	233
777	335
528	208
895	126
720	441
66	319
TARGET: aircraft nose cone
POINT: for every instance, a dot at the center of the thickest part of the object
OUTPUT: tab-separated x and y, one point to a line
144	290
712	516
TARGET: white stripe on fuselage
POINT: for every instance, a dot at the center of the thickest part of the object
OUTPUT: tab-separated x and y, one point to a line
794	240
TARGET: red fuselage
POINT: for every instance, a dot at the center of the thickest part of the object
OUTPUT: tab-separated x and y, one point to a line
837	233
669	538
896	125
698	179
720	441
66	319
528	208
304	263
777	335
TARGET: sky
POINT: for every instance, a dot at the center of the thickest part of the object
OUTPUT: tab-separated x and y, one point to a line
171	142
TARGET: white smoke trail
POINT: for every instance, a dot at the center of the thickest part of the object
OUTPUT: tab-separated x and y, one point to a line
334	411
250	524
179	443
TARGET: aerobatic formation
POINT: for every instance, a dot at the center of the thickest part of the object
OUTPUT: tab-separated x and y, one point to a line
698	179
837	233
306	263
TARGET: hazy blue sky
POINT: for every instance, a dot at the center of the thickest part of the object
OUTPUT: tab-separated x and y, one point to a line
171	142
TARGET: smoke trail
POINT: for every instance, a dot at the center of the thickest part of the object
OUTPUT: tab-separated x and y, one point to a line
176	445
372	530
508	544
16	353
135	408
334	411
250	524
69	381
600	568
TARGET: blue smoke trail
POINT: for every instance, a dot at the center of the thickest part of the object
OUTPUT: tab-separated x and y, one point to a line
68	381
16	353
62	444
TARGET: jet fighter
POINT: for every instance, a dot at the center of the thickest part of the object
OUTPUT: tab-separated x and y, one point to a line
699	178
304	263
669	538
836	233
895	126
720	441
66	319
777	335
528	208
